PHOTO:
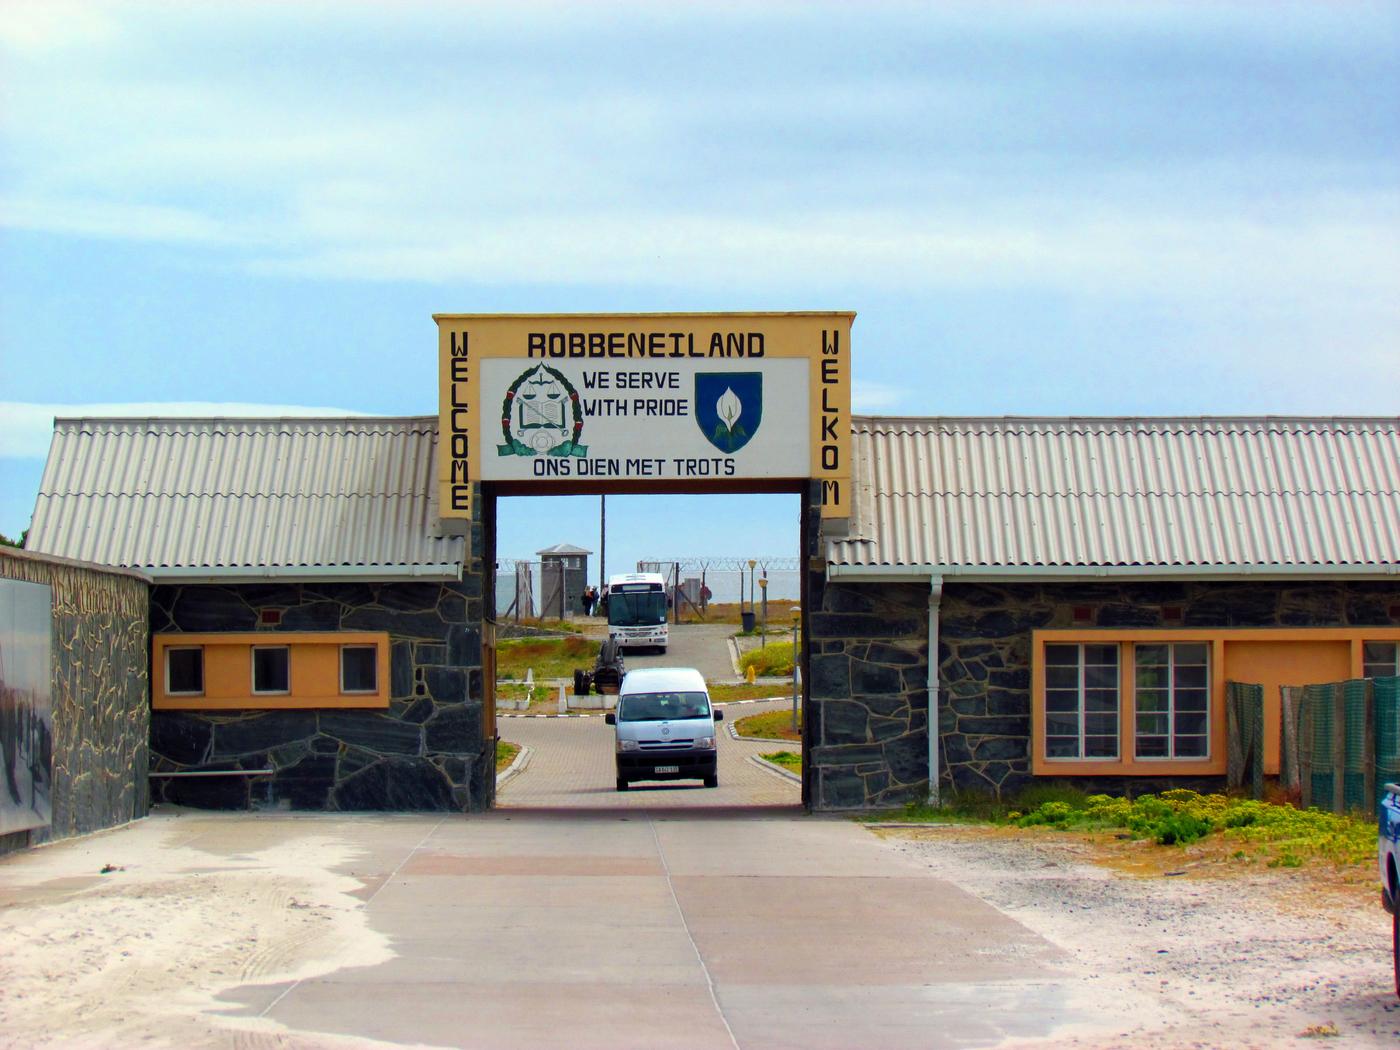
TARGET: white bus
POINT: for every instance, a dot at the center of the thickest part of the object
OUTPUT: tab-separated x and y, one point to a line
637	610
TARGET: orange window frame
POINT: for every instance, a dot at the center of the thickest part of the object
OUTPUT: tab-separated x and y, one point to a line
1218	638
313	670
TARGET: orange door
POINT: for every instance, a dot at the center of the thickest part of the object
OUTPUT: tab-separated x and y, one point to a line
1272	664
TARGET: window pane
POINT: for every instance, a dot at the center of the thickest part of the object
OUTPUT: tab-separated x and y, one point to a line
185	671
1062	747
1061	725
270	670
1152	725
1101	747
1101	725
1062	677
1100	700
1150	700
1152	676
1096	677
359	669
1148	655
1190	653
1190	725
1191	700
1101	655
1061	700
1152	747
1380	659
1191	747
1062	655
1191	677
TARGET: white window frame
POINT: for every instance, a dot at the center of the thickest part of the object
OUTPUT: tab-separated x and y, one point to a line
1171	755
373	690
253	671
1117	756
202	669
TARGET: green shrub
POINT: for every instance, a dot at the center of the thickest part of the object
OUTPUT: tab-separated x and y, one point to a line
1181	816
772	661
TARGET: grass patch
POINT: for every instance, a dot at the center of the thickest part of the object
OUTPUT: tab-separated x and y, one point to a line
505	754
1280	835
772	661
779	612
549	657
773	725
786	759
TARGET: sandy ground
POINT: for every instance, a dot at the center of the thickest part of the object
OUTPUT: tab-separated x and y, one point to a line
1212	955
142	952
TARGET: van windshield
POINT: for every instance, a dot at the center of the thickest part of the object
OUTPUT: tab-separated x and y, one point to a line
661	707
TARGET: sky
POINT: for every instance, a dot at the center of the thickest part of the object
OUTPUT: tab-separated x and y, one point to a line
1035	208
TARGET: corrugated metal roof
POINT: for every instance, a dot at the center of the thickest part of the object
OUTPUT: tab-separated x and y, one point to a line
1124	492
245	494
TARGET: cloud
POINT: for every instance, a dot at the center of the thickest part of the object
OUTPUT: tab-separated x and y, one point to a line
26	428
867	397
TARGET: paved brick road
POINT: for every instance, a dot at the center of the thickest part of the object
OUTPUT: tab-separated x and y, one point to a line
571	765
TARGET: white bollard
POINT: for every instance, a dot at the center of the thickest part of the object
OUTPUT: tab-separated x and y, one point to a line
563	701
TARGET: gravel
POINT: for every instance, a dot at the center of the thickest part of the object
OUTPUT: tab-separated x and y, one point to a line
1253	957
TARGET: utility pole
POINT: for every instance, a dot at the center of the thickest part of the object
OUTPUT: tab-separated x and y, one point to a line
602	543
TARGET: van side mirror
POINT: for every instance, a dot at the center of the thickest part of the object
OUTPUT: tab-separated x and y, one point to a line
719	715
610	718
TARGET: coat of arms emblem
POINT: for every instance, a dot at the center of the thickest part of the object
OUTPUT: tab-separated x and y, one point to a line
729	407
541	416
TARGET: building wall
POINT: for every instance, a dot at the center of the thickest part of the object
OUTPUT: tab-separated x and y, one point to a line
101	713
868	669
427	751
985	654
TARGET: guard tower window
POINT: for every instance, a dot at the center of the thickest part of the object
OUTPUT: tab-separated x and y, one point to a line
271	669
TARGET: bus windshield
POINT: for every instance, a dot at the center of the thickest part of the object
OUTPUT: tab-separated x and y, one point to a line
662	707
636	608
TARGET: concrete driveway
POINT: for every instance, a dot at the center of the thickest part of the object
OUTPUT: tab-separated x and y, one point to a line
570	763
582	928
703	646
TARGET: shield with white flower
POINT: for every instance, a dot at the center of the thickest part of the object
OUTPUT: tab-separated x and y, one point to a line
728	408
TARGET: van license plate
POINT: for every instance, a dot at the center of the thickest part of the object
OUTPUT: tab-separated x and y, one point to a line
668	769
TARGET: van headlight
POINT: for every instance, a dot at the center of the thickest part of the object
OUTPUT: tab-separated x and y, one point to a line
628	745
706	742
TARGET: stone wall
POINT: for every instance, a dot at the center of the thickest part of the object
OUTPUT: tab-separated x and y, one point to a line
867	676
101	708
426	751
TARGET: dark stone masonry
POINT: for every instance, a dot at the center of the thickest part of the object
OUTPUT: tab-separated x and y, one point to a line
101	706
867	678
426	751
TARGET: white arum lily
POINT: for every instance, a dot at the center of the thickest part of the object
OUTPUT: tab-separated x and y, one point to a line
729	408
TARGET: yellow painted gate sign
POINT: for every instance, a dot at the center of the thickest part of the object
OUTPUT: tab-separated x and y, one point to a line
670	401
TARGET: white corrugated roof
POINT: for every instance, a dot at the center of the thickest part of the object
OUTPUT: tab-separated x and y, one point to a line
246	497
1017	492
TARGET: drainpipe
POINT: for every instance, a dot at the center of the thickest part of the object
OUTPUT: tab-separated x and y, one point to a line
935	599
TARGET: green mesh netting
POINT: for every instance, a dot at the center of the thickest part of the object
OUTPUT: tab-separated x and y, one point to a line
1317	701
1245	724
1318	734
1387	703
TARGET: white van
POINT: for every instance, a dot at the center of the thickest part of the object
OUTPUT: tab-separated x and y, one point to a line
665	727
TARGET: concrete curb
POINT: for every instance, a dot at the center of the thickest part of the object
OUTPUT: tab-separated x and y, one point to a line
770	767
595	714
522	759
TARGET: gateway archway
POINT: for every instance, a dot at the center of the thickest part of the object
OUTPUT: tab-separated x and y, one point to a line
569	760
603	404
